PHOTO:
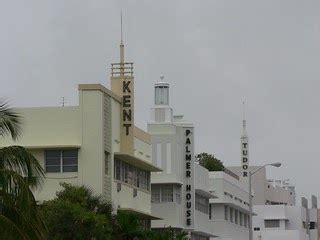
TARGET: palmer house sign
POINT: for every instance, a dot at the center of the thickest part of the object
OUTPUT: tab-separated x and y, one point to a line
189	179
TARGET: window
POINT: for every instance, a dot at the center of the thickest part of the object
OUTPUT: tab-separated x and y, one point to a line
202	204
256	229
155	193
226	213
236	216
61	160
241	218
70	160
178	194
210	211
53	161
117	170
131	175
245	220
312	225
231	214
272	223
167	193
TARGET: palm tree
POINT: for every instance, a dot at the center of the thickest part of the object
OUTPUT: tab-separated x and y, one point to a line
20	172
128	227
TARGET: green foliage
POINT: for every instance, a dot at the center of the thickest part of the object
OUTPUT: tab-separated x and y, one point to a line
19	172
210	162
128	226
10	121
77	214
168	234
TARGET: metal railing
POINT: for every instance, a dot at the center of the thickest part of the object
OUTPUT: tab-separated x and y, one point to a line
122	69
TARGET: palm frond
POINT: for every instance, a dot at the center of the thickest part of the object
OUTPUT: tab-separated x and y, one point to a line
18	159
10	121
18	204
10	231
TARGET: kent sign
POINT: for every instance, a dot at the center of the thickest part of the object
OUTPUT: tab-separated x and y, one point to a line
127	106
189	182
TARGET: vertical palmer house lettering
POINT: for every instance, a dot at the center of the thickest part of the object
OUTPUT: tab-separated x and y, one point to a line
189	191
127	106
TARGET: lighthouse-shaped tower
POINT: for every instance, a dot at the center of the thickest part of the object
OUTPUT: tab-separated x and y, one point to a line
244	148
162	112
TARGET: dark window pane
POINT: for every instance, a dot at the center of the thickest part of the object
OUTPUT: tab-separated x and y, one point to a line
52	154
52	161
70	161
70	168
52	168
70	153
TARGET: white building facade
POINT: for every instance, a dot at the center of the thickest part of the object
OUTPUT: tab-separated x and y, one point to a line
229	212
268	192
180	194
283	222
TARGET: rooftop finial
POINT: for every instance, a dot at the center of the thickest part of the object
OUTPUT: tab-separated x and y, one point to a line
161	77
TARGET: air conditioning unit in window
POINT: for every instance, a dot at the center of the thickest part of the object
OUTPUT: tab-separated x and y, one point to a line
135	192
118	187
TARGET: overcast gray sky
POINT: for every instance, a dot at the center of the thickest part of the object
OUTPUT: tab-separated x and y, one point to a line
214	53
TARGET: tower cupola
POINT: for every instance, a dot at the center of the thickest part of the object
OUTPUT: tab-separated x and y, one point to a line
161	93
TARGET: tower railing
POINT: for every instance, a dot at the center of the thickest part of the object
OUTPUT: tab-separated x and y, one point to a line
122	69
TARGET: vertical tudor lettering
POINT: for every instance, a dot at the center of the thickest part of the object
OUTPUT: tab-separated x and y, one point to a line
244	157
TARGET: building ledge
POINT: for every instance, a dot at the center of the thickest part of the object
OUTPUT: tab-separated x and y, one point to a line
138	162
204	193
99	87
275	218
52	146
165	181
206	234
140	214
236	206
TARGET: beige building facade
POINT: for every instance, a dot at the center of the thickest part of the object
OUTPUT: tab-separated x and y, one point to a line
94	144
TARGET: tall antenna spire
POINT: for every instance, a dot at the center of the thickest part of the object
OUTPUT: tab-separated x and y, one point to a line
121	49
244	146
121	30
244	116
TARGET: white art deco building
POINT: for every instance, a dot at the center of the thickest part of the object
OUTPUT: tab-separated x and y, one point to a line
207	205
180	194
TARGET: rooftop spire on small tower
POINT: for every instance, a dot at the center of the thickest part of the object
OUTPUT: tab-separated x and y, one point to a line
244	122
244	147
121	30
121	46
